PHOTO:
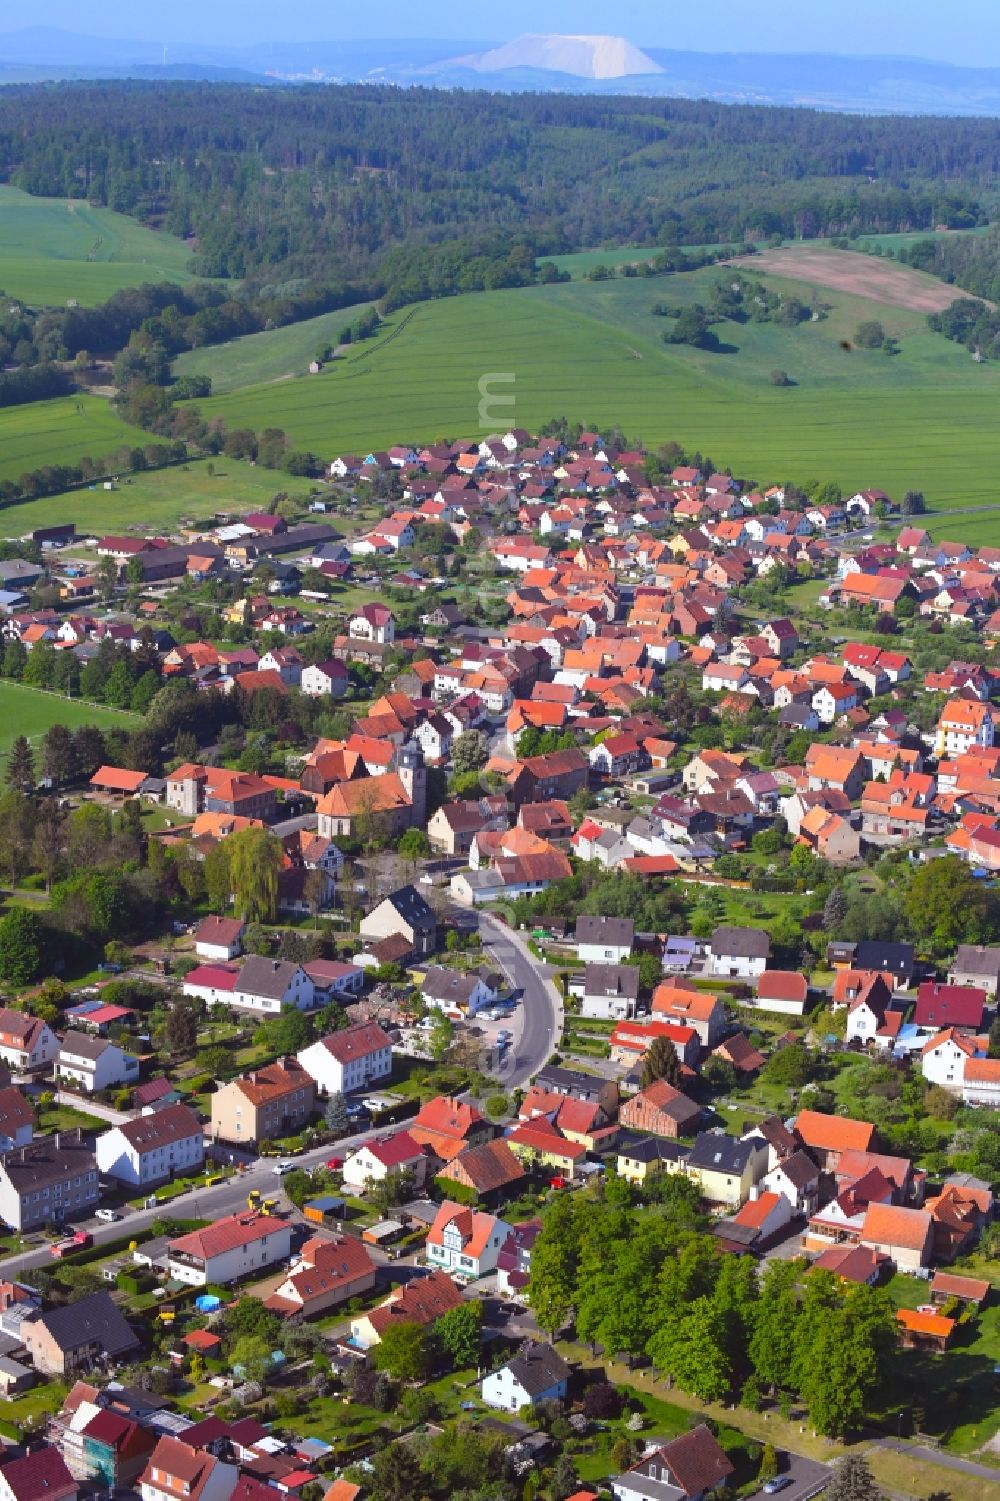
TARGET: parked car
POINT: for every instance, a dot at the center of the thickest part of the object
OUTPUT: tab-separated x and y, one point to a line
772	1487
283	1167
80	1240
335	1164
111	1216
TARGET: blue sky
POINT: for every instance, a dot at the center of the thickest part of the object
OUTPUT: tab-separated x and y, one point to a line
959	31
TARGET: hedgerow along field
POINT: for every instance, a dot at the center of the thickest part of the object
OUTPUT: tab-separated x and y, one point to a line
924	418
55	249
30	711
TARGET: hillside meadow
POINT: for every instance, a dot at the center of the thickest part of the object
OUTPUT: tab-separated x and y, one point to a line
278	354
61	431
56	249
593	352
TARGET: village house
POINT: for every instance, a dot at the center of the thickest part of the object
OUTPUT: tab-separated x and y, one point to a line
272	1101
465	1242
240	1246
269	985
456	994
26	1042
373	1161
219	938
661	1110
487	1170
725	1168
536	1374
53	1179
609	992
739	953
176	1472
446	1126
93	1063
826	1137
677	1001
38	1473
17	1118
403	913
152	1148
906	1236
976	965
354	1058
327	1272
687	1468
604	940
87	1332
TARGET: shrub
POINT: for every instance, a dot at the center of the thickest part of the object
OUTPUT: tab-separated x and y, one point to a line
602	1400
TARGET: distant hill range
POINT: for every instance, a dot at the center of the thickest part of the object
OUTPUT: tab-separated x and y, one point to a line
546	63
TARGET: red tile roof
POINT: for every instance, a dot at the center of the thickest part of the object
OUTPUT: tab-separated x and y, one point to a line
40	1476
225	1235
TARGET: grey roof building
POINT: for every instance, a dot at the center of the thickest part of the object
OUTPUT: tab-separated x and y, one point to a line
615	935
976	964
81	1334
53	1179
719	1153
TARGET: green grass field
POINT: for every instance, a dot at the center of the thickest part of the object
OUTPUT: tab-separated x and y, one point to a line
160	498
61	432
593	352
30	711
579	262
54	249
270	356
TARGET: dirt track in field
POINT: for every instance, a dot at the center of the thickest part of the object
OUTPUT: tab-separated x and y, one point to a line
861	275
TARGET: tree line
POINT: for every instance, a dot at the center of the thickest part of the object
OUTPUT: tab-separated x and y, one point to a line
649	1283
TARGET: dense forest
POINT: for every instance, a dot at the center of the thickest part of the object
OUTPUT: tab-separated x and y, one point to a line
969	261
321	181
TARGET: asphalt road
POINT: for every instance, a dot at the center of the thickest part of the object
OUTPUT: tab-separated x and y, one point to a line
540	1011
201	1203
540	1016
808	1478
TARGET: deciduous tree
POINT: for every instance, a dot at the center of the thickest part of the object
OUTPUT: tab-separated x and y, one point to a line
255	857
405	1352
460	1333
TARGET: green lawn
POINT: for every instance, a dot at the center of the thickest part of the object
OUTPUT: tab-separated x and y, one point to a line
55	249
33	1407
593	351
61	432
579	262
66	1118
159	498
30	711
267	356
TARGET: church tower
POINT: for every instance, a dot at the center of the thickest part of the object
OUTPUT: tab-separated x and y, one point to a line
413	776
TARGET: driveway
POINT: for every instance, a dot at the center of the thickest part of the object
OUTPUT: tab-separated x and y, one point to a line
808	1478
